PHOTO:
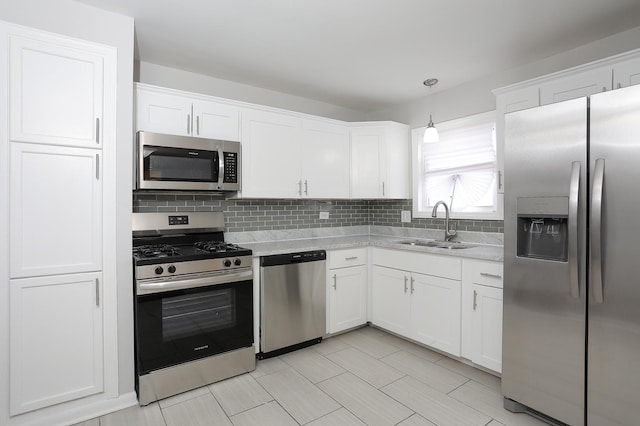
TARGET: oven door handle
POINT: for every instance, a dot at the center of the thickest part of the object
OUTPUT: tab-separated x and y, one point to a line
214	279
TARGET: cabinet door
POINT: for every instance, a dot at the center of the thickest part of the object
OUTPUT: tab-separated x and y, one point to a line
163	113
55	210
271	155
396	167
56	340
216	121
576	86
347	300
626	74
56	91
366	154
325	160
517	100
487	327
391	300
435	312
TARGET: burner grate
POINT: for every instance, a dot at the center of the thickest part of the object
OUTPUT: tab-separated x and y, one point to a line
216	246
158	250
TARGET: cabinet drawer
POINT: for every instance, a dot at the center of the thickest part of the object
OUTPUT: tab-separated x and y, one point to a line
348	257
487	273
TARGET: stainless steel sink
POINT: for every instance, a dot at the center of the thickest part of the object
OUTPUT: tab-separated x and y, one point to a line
447	245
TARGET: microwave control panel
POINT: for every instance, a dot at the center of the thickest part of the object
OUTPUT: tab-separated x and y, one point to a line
230	167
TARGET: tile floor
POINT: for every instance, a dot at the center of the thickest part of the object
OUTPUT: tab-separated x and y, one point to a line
364	377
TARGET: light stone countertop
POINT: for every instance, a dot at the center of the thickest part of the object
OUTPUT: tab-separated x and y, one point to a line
492	252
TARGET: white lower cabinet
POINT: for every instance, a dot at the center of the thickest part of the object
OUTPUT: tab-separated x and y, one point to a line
347	288
417	296
435	312
56	345
390	300
482	313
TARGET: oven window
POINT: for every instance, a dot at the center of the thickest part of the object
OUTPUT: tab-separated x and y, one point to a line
193	314
174	164
174	327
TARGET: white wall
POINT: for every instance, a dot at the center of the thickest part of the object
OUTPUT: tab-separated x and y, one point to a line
77	20
476	97
184	80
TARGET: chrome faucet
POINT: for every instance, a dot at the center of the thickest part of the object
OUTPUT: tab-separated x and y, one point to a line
448	234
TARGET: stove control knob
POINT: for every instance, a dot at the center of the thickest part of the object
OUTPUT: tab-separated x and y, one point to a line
227	263
237	262
159	270
171	269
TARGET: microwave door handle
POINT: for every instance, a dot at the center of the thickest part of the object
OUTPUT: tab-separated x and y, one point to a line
574	198
596	231
220	167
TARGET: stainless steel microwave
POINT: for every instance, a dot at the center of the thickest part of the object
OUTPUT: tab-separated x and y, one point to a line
184	163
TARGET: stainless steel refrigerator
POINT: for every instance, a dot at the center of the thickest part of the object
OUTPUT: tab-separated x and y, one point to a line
571	342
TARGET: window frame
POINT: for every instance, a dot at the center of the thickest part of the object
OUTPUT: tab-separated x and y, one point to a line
417	167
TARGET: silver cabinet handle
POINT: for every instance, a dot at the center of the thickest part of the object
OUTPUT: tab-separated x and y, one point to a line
574	201
98	166
475	300
335	281
596	231
306	188
486	274
499	179
97	130
97	292
300	188
351	258
188	124
405	284
197	124
383	189
412	288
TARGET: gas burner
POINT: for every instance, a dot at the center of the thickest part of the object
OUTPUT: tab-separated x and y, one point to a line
159	250
216	246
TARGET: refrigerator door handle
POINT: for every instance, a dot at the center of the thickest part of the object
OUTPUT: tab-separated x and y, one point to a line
596	231
574	194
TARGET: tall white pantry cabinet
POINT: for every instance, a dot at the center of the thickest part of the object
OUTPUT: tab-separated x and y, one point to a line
60	150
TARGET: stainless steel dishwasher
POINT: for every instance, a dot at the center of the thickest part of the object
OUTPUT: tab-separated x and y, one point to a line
292	301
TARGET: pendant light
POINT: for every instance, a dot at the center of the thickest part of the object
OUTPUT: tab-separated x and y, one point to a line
430	133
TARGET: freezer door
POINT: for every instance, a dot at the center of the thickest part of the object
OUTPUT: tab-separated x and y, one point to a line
545	238
613	373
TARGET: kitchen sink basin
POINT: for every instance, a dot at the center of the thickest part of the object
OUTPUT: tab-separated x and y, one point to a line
447	245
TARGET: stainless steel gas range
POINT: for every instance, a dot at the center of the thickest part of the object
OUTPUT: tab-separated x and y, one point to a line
193	303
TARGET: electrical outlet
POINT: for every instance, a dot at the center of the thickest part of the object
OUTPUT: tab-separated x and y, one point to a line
324	215
405	216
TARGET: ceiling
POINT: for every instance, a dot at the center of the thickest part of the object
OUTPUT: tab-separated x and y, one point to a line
363	54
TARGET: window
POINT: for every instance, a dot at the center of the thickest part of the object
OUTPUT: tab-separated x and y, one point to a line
460	169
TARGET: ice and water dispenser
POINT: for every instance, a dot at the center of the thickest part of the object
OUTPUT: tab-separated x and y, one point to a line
543	228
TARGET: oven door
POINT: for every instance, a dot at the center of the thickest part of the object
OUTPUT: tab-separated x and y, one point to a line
177	326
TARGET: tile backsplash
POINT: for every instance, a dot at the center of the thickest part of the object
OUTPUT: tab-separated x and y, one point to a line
244	215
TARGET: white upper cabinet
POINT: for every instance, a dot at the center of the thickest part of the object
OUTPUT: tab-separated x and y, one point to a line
216	121
57	91
55	210
325	159
576	86
289	157
626	73
271	155
380	160
171	112
162	113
